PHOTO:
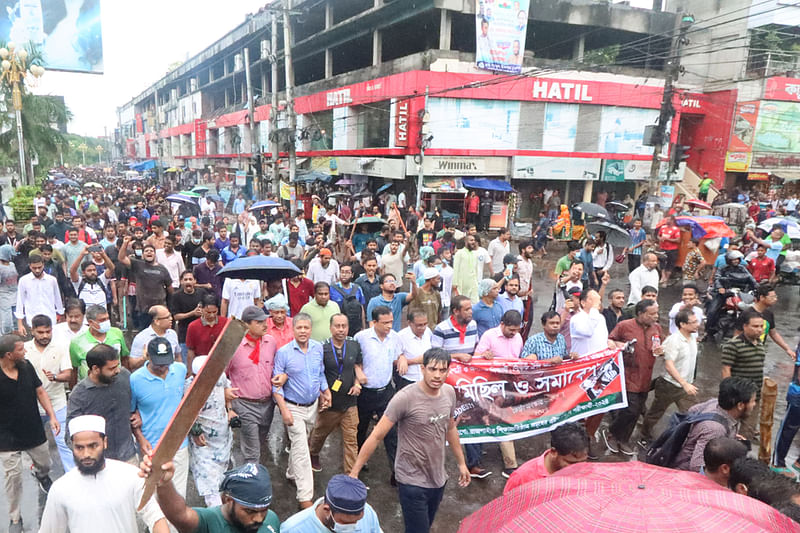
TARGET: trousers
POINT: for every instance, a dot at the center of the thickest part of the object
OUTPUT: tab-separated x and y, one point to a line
256	420
329	420
64	451
299	459
787	432
419	505
373	402
665	395
625	419
12	469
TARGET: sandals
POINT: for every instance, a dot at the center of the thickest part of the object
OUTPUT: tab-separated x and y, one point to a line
791	473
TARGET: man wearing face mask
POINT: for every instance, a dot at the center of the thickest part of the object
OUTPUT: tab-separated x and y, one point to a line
37	294
343	509
99	332
153	282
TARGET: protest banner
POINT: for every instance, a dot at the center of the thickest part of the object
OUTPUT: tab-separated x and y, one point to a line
508	399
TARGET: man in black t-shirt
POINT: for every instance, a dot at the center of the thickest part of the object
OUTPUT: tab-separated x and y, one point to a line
20	425
426	235
342	359
185	306
766	298
153	282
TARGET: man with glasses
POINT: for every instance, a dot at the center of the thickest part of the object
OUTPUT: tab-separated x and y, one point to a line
204	332
160	326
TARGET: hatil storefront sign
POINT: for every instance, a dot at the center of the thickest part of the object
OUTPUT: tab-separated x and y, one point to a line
780	88
401	123
338	97
561	91
737	161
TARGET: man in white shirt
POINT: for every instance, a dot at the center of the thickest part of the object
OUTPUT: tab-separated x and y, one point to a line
173	262
324	268
499	247
37	294
238	294
587	327
676	385
52	364
689	300
160	326
101	494
642	276
415	340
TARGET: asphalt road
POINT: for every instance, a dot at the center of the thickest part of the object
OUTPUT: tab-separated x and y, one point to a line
458	502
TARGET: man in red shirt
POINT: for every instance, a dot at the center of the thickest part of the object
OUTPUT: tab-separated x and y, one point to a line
301	290
204	332
638	371
569	444
669	238
761	267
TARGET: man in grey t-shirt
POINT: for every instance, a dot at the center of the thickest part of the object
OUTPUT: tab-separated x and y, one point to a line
425	416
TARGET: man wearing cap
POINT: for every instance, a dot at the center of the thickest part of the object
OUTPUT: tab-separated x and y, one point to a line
246	497
323	268
20	425
427	298
101	494
250	371
344	508
279	326
303	384
156	392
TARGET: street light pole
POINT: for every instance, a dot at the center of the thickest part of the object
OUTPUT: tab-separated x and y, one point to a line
14	70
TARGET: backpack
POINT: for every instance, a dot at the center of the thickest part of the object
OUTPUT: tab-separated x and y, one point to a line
351	308
664	450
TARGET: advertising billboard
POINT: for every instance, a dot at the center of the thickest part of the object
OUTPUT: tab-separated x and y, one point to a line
622	130
778	128
473	124
67	32
500	29
744	127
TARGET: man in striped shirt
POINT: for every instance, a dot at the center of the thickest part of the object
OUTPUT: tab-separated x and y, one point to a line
743	356
458	335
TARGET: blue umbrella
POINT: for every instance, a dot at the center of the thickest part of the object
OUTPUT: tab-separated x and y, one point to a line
263	204
180	199
383	187
60	175
215	197
66	181
259	267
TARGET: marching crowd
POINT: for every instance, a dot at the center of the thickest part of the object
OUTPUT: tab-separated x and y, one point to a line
365	333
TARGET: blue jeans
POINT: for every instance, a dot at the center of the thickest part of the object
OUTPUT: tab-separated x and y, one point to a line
789	427
64	451
419	506
473	452
184	352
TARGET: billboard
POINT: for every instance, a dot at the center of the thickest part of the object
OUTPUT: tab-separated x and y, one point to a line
473	124
622	130
778	128
500	29
744	127
67	32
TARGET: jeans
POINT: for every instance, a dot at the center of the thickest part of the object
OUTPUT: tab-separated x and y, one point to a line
787	431
184	352
473	452
419	506
64	451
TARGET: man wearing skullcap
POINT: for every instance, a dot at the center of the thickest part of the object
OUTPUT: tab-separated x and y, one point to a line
246	498
100	494
279	326
487	312
345	504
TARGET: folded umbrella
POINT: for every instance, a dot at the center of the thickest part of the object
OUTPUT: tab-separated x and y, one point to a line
259	267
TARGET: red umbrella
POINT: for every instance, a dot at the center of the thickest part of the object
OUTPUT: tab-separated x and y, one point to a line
629	497
699	204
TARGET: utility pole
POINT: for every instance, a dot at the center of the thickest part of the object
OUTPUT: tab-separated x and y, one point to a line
254	150
290	116
273	114
673	71
423	141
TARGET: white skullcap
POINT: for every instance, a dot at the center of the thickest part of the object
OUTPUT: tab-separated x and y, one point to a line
429	273
87	423
198	363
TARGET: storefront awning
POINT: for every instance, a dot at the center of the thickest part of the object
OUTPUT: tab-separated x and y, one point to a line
788	175
144	165
486	184
314	175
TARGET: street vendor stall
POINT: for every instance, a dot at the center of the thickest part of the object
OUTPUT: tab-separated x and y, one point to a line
500	190
445	193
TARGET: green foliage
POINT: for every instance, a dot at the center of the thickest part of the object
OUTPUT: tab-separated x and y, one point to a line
22	202
602	56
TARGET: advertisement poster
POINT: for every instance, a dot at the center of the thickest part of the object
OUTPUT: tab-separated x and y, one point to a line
241	178
287	191
462	123
622	130
500	28
508	399
499	216
778	128
67	32
737	161
744	127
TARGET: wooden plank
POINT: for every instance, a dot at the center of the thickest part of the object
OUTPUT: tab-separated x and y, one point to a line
194	399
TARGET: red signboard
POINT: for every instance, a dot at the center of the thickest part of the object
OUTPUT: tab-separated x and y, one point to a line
130	147
401	110
780	88
139	123
744	127
200	135
758	176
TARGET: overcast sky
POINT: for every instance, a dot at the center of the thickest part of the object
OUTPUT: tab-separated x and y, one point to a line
140	40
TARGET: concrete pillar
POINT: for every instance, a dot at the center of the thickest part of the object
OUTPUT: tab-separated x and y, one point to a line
328	14
445	30
587	191
578	48
377	47
328	63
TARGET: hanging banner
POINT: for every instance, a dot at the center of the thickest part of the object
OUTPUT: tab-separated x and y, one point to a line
500	34
287	191
744	127
509	399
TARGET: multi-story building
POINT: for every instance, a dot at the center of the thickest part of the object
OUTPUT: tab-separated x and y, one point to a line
377	80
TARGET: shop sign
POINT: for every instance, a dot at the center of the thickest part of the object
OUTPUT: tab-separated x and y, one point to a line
758	176
200	134
338	97
561	91
762	160
744	127
401	123
328	165
556	168
241	178
623	170
443	185
737	161
781	88
378	167
458	166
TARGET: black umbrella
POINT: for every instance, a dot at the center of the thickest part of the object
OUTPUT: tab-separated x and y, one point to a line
615	235
616	206
591	210
259	267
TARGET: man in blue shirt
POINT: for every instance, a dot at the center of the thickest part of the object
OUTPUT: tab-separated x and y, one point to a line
299	381
344	508
233	250
393	300
350	299
487	312
589	278
222	241
156	393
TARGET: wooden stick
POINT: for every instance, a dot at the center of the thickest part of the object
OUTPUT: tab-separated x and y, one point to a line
769	393
199	391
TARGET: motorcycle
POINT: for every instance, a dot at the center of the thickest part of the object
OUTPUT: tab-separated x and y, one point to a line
736	301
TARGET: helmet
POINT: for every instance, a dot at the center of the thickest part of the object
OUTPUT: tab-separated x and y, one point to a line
733	255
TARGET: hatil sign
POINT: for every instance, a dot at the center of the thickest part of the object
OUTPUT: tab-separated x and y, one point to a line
339	97
560	91
401	123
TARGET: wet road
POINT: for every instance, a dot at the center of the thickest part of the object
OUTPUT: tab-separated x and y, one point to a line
458	502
